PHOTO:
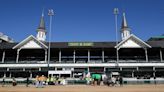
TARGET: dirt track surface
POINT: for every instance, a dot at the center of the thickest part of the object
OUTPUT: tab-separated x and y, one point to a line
85	88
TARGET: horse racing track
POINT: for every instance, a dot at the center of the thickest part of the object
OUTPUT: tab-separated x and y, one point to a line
84	88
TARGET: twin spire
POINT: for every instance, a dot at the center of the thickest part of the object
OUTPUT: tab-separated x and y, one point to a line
124	22
41	35
125	30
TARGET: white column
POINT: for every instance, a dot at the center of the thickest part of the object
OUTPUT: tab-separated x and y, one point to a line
23	69
30	74
88	70
161	57
117	57
120	68
88	56
153	71
45	55
73	75
39	69
10	75
146	55
7	69
4	75
60	56
3	57
17	59
117	53
132	74
102	55
74	56
137	68
104	69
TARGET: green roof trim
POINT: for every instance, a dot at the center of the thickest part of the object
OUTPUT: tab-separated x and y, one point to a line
158	37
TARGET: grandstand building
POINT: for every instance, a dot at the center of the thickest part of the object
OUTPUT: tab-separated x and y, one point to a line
136	58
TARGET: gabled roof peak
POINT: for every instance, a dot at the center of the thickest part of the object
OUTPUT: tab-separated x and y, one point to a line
136	39
26	40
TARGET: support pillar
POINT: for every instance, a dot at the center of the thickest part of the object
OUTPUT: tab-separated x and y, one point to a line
154	72
10	75
137	68
88	56
120	68
45	55
23	69
73	76
39	69
104	70
30	74
103	56
59	75
161	57
146	55
60	56
7	69
88	70
132	74
117	57
74	56
3	57
4	75
117	54
17	59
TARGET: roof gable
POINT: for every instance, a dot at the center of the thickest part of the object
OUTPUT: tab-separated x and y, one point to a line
30	43
132	42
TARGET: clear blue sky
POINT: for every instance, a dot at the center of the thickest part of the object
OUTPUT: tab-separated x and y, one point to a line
81	20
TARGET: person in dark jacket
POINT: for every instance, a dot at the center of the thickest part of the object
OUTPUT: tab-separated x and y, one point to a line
14	82
121	81
27	81
3	82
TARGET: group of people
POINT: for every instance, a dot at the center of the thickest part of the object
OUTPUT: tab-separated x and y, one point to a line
55	80
40	81
111	81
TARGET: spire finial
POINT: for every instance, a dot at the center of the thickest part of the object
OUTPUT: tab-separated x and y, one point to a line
43	12
124	22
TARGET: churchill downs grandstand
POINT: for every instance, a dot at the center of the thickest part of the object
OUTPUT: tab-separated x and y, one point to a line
132	58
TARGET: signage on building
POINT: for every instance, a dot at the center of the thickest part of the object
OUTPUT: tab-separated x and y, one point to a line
80	44
96	69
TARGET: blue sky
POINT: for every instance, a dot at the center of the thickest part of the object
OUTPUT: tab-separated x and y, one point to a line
81	20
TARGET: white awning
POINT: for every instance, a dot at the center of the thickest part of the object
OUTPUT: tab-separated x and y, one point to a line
115	73
59	72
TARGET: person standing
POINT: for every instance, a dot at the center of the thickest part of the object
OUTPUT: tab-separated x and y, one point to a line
14	82
3	82
42	80
37	83
27	81
155	80
121	81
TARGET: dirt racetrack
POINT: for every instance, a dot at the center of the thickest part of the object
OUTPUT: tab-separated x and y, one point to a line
85	88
